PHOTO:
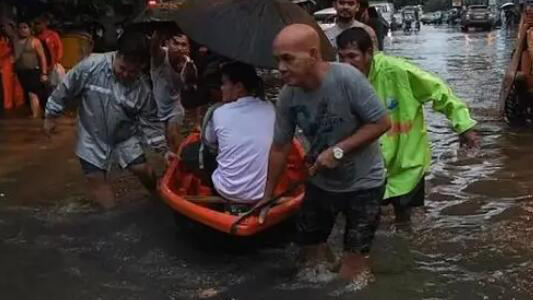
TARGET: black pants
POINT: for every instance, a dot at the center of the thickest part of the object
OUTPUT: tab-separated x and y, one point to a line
190	156
414	198
319	210
30	80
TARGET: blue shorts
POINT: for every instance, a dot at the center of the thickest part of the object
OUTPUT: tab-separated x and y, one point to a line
89	168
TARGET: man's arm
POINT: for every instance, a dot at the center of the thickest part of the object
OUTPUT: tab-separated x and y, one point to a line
59	47
367	107
40	54
158	55
276	164
365	135
427	87
284	129
151	126
68	90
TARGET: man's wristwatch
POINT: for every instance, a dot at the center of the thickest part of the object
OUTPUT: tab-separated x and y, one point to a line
338	153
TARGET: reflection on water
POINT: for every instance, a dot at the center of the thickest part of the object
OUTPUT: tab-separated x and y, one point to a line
475	240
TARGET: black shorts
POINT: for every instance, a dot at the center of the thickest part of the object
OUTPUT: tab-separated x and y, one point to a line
319	210
190	157
89	168
30	80
415	198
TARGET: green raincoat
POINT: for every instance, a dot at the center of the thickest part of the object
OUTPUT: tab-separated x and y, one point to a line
404	89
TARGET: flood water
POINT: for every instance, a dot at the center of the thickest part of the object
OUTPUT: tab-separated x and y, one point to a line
474	240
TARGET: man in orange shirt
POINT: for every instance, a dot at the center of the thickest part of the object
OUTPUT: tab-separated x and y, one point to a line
12	92
52	40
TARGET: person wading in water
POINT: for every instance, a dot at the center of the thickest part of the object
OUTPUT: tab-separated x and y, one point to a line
342	117
31	67
404	89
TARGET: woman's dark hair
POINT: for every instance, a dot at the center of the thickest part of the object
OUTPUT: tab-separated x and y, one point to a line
357	37
245	74
134	47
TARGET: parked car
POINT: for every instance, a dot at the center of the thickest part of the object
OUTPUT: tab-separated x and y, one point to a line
426	18
325	17
477	16
308	5
385	9
454	17
435	18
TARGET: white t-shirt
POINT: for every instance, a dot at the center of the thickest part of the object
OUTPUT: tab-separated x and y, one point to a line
243	131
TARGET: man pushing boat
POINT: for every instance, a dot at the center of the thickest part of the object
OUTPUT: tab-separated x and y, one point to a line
342	118
116	101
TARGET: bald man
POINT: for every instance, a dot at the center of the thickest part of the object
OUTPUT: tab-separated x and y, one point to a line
342	118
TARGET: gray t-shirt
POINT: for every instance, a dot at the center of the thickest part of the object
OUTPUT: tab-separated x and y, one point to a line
166	88
344	102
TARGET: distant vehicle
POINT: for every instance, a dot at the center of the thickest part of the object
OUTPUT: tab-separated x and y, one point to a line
386	9
478	16
426	18
432	18
307	5
454	17
325	17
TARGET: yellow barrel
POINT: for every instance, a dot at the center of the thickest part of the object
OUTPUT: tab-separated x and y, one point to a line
76	46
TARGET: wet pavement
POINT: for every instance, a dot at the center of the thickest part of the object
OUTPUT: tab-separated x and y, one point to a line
474	241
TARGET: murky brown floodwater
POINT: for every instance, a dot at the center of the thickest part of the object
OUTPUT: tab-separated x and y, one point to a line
474	242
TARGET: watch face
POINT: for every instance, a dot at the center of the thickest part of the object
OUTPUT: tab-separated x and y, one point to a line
337	153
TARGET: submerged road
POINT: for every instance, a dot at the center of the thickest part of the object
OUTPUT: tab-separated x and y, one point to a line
474	241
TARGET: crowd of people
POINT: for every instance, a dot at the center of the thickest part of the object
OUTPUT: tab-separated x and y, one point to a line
30	56
362	118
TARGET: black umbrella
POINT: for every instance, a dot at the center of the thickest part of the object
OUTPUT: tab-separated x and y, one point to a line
244	29
160	17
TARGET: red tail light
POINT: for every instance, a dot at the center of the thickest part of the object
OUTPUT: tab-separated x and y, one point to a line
152	3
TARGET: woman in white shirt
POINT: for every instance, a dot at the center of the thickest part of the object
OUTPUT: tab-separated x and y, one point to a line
240	132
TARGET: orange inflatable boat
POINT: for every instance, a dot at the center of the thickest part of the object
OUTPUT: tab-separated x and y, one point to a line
183	192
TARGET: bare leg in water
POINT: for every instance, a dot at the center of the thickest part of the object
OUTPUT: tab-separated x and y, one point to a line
353	265
312	255
100	190
146	176
174	137
402	215
35	105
